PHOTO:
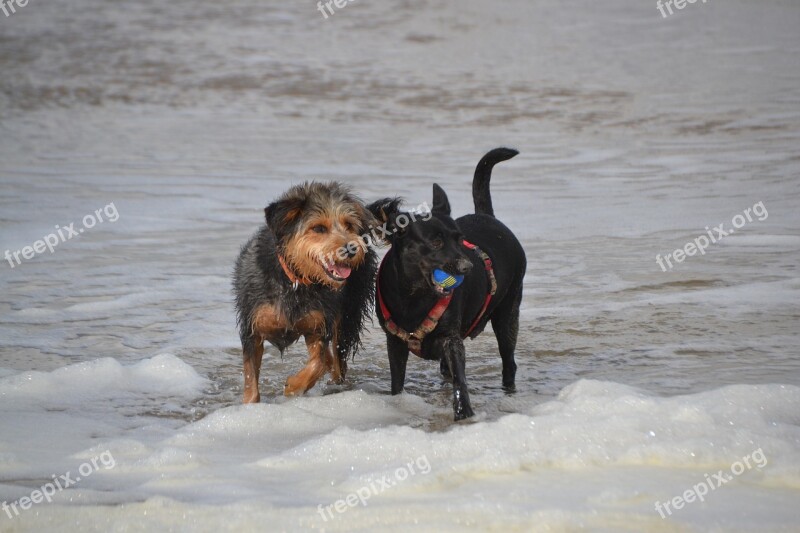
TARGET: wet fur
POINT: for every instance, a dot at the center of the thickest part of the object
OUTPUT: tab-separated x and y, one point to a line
437	243
270	308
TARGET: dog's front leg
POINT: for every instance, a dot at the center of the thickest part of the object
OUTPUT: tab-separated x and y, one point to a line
452	350
314	369
253	351
398	358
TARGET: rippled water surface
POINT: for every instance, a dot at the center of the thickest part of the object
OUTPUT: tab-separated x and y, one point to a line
635	132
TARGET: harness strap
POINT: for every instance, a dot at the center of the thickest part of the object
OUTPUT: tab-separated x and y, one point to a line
487	261
414	339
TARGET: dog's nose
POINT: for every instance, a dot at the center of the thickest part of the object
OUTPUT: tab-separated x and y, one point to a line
463	266
351	252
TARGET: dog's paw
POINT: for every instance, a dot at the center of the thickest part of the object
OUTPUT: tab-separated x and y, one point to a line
332	387
462	412
293	388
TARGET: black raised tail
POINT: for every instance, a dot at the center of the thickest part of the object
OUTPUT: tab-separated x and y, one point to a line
483	173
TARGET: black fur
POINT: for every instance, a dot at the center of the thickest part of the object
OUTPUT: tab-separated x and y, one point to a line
483	173
408	291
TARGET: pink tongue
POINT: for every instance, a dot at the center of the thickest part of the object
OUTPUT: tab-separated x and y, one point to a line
342	271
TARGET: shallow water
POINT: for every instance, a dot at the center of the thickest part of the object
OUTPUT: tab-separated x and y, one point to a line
635	134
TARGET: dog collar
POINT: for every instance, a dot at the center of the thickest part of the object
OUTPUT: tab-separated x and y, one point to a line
296	280
414	339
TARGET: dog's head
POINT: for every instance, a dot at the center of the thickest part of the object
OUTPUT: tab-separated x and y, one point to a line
424	241
318	228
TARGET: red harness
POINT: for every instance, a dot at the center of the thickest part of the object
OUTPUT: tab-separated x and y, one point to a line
414	339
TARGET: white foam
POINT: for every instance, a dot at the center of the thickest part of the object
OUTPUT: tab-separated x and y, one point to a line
598	449
102	379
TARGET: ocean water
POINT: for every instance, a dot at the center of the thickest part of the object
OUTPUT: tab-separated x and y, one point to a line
177	122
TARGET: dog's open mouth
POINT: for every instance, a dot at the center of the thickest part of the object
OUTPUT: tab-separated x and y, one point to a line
336	272
438	288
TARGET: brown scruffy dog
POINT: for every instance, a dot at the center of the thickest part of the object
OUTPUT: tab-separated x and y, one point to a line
306	272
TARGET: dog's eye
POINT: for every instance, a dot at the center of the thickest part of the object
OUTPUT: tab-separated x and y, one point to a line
319	228
437	244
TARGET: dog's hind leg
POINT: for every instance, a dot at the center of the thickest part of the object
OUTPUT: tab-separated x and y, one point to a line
452	350
339	371
314	369
338	360
444	368
252	351
398	359
505	322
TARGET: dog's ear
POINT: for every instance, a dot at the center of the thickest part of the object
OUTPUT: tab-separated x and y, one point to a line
385	209
385	212
441	205
282	215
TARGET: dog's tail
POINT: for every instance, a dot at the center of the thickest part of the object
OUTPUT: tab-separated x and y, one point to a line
483	173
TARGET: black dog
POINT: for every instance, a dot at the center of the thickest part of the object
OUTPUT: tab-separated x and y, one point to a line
480	248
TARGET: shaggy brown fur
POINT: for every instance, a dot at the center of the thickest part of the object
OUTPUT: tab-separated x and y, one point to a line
307	272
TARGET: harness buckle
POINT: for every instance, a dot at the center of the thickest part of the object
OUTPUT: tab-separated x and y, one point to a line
414	344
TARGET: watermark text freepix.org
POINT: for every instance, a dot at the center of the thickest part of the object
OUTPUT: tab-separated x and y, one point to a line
372	238
65	233
59	483
329	4
376	487
702	242
712	482
7	6
679	4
